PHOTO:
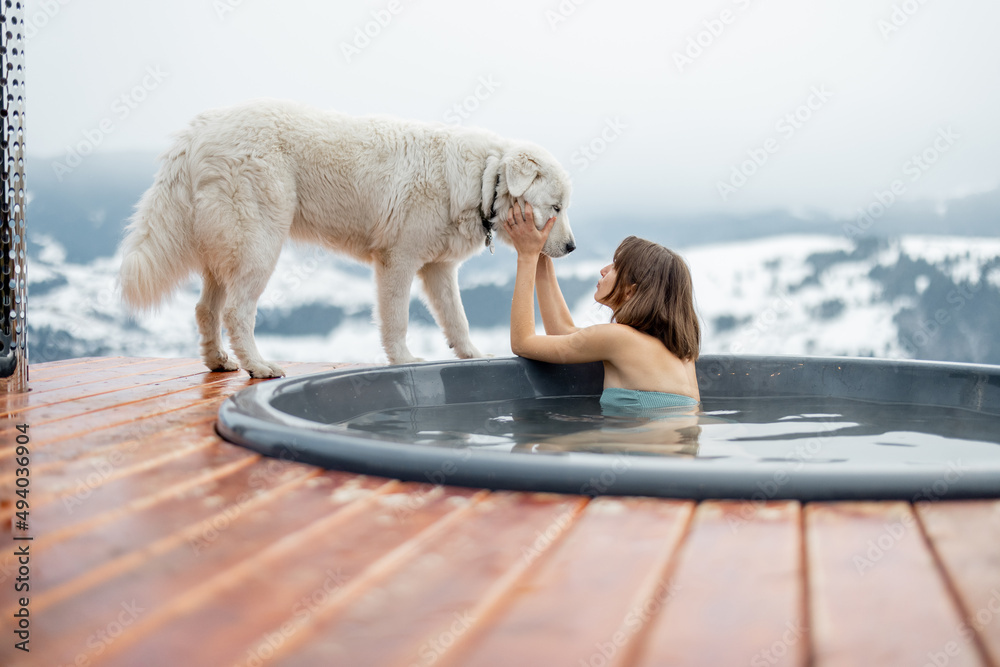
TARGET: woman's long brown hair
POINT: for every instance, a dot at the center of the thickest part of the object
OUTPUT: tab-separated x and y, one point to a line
653	294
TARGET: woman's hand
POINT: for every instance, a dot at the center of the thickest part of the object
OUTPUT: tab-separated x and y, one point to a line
527	239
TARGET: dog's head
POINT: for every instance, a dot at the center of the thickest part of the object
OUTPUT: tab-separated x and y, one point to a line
530	174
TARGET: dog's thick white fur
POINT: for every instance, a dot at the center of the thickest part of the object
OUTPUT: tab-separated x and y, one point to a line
407	197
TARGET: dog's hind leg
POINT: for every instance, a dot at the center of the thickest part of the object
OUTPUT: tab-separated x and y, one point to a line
209	316
441	286
240	315
243	219
393	278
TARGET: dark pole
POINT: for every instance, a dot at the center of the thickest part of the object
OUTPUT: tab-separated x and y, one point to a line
14	288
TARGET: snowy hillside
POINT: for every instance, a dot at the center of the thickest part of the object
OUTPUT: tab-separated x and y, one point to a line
917	297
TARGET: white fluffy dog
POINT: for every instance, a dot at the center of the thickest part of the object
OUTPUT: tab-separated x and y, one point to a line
409	198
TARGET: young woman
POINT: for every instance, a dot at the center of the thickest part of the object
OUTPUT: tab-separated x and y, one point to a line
650	347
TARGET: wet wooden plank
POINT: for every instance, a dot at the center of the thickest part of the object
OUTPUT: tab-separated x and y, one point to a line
101	382
78	417
90	460
966	537
87	375
62	445
42	366
737	591
96	456
60	478
67	563
322	569
130	415
589	599
162	390
122	443
75	422
56	497
194	517
193	551
65	367
459	577
141	593
90	505
75	502
876	594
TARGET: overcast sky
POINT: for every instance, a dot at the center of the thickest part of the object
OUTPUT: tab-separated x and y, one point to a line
650	106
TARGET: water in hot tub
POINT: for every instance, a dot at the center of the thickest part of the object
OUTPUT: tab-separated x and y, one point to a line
807	430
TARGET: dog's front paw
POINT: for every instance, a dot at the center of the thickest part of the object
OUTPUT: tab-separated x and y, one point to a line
470	352
221	363
407	359
264	370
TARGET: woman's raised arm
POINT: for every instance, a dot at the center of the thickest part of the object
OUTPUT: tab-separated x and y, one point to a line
551	303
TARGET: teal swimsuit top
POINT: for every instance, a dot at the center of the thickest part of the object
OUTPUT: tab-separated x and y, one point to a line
617	400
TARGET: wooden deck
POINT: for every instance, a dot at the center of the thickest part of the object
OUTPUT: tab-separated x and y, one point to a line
157	543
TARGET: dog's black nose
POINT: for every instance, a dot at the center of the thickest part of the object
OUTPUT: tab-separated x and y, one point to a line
570	247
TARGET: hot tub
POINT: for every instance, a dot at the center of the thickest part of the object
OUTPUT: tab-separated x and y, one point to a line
803	428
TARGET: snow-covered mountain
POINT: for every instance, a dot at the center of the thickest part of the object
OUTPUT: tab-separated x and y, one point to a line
928	297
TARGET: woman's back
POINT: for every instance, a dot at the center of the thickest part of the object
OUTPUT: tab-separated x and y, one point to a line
640	361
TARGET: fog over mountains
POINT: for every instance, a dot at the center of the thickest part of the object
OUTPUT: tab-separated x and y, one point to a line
918	280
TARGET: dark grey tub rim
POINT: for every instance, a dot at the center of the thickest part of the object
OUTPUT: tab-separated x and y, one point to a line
248	419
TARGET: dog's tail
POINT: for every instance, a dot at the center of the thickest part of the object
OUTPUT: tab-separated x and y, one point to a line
156	252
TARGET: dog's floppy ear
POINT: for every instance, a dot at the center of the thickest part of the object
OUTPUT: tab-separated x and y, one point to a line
520	171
